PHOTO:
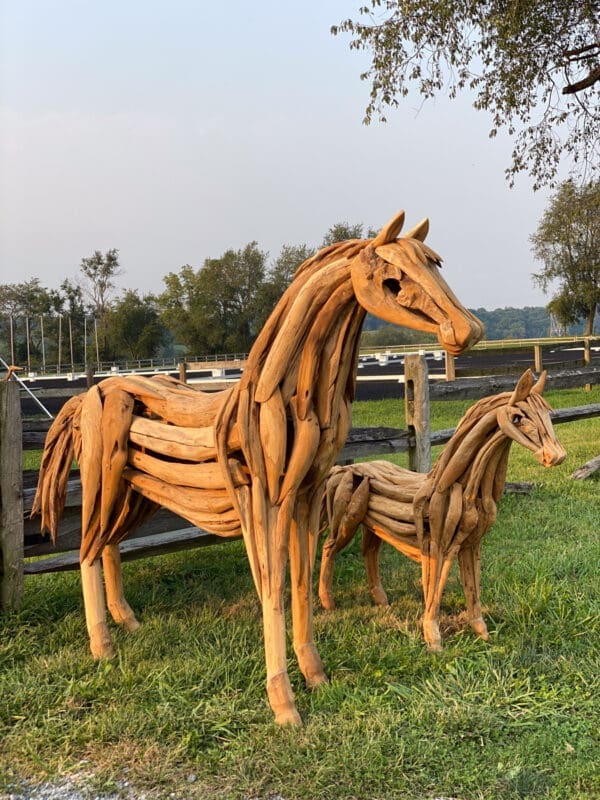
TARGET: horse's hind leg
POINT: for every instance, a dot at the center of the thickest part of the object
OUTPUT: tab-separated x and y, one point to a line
371	547
118	606
469	563
301	569
95	610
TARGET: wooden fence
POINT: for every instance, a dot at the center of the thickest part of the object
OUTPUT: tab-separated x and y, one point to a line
24	551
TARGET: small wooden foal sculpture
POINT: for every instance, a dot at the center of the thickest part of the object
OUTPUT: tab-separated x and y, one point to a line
252	459
434	517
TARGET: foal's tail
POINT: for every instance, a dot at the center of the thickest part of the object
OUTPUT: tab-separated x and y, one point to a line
62	445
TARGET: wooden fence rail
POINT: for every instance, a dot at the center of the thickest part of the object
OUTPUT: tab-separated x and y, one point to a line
24	551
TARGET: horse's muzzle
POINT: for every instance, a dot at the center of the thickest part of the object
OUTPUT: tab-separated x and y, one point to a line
551	455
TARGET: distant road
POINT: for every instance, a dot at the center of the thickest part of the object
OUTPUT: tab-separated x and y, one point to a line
378	378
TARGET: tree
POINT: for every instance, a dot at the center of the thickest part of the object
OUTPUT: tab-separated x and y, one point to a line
342	231
99	273
534	66
279	276
217	308
567	241
134	327
28	301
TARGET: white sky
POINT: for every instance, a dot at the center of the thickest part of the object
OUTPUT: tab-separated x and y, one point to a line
176	130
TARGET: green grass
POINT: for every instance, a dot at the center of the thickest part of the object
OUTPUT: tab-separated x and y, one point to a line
517	717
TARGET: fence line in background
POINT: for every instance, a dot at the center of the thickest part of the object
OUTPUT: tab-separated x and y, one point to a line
20	539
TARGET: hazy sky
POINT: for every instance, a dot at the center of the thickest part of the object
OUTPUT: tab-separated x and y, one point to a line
176	130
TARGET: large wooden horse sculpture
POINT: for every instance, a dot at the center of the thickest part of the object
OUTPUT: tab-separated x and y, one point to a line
433	517
251	459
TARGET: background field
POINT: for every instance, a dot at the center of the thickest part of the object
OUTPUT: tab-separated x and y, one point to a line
181	711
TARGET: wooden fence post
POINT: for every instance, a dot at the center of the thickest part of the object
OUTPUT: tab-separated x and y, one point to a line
450	366
416	400
11	497
183	371
537	358
587	352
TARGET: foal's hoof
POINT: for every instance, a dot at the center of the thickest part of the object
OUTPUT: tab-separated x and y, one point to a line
380	598
327	601
433	638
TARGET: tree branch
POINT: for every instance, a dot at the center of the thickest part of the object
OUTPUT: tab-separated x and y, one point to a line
584	83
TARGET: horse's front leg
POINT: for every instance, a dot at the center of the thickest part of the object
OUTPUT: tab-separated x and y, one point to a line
469	560
118	606
302	546
266	536
95	610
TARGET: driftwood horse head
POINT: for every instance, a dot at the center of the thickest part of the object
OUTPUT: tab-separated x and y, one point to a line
433	517
251	459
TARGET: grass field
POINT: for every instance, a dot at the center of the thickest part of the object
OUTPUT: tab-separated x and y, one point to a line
181	712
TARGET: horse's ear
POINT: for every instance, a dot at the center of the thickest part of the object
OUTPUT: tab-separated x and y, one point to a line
541	383
522	389
419	232
389	233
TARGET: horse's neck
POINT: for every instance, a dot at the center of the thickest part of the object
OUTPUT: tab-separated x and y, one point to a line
476	447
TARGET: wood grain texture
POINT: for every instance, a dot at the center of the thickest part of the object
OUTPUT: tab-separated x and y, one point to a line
266	444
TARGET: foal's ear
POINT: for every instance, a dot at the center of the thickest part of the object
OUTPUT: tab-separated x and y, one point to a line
541	382
389	233
522	389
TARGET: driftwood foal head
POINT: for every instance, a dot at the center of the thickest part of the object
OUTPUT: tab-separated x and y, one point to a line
398	280
526	420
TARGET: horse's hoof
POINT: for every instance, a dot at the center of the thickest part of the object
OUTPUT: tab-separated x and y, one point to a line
311	665
101	644
315	681
480	628
131	624
434	647
288	717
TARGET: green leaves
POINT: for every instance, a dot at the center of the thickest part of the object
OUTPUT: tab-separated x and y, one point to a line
533	66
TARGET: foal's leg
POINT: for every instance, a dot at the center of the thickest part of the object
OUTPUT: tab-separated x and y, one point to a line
119	608
371	547
435	567
334	544
301	570
469	560
95	610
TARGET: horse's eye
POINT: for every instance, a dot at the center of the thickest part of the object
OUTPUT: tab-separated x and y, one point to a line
393	284
516	418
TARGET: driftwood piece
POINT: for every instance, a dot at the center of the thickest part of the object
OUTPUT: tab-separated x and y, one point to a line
252	458
435	517
587	469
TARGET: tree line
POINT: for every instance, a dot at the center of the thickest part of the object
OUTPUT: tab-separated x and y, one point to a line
221	307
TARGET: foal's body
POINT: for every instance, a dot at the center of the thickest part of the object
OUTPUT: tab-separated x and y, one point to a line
252	459
435	517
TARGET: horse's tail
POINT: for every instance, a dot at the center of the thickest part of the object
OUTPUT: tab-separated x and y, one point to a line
62	445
